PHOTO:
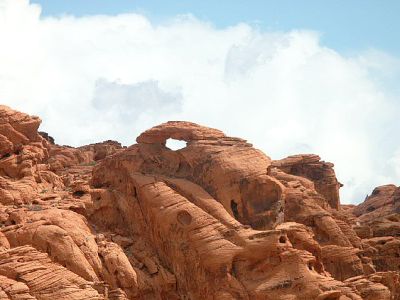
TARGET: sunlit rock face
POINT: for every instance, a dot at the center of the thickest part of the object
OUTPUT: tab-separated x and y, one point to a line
217	219
229	169
319	172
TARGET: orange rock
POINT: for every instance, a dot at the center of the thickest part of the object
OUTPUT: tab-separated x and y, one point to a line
217	219
319	172
383	202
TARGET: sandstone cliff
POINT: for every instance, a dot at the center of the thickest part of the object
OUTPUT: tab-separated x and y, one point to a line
217	219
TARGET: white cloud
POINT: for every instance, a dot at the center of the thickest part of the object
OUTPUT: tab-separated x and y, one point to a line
111	77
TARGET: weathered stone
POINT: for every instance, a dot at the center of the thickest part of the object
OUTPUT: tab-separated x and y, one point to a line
217	219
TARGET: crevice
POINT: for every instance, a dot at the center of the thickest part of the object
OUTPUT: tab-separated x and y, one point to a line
234	208
78	194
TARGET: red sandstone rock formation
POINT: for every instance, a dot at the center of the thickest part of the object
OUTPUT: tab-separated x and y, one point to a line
319	172
217	219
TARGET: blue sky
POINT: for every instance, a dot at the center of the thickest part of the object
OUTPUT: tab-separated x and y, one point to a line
346	25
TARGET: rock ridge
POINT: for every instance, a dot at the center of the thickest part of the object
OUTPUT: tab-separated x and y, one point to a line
217	219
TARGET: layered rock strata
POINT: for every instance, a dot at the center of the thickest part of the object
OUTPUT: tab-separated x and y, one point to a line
217	219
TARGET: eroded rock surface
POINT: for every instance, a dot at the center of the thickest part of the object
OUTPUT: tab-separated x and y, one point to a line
217	219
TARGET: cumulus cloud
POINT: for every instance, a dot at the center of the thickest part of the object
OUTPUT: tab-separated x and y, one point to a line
111	77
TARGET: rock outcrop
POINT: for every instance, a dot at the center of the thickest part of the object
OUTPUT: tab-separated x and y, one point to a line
217	219
319	172
378	224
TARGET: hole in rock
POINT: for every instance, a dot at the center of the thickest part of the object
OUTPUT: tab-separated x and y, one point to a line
134	192
310	266
184	218
282	239
97	185
6	155
371	208
78	194
234	208
175	144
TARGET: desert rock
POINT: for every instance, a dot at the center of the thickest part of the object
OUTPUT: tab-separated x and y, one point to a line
217	219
